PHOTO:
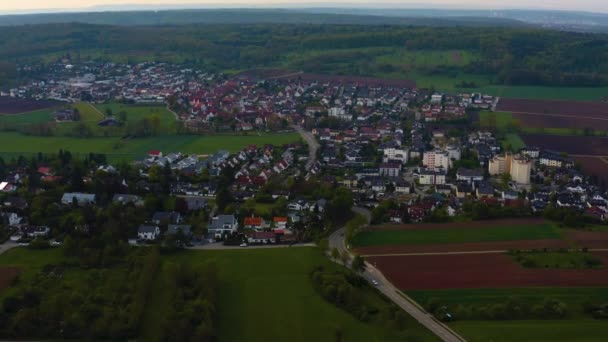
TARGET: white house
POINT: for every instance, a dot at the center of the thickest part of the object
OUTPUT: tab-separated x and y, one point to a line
222	225
148	232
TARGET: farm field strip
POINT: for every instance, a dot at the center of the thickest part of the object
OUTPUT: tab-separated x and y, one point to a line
456	253
571	144
15	144
472	271
455	235
579	109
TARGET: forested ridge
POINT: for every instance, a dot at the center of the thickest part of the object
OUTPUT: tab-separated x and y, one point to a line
508	55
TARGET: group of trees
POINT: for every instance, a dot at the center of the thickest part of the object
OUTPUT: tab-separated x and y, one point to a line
192	314
511	308
345	289
507	55
96	303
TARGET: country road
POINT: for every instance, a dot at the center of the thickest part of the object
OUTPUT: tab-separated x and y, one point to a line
5	247
313	145
220	246
336	240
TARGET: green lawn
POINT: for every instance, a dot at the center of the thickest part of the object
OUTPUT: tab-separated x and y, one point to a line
575	260
540	92
35	117
267	295
514	141
580	330
138	112
496	120
14	144
456	235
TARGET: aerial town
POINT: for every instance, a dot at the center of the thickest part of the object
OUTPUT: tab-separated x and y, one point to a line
387	144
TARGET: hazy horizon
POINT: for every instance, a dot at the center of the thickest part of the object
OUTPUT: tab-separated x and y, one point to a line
34	6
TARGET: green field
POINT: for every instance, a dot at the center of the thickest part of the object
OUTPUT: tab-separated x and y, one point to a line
259	288
264	295
138	112
575	327
495	120
580	330
540	92
456	235
574	297
14	144
574	260
35	117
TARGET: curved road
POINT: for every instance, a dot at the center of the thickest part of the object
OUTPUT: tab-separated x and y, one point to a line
336	240
313	145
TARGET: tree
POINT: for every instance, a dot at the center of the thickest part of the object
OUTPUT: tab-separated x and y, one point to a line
358	264
335	253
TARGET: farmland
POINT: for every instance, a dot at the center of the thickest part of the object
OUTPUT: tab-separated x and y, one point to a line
14	144
7	276
595	167
9	105
490	270
557	114
574	145
455	234
580	330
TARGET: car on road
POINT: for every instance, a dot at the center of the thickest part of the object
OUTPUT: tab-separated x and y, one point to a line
375	282
243	245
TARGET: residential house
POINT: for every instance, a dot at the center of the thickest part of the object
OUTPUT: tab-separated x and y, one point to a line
148	233
78	198
262	238
432	177
469	175
253	223
222	225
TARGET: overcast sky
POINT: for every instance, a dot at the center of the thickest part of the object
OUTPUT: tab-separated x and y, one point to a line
581	5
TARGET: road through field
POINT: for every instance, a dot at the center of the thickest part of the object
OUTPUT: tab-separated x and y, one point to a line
372	274
313	145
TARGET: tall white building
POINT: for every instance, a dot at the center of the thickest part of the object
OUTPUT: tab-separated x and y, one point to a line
395	154
519	167
437	160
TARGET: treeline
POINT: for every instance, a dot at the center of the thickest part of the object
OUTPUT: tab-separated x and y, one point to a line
513	308
193	311
507	55
69	303
345	289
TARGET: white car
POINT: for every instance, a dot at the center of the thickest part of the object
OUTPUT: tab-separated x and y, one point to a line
243	245
375	282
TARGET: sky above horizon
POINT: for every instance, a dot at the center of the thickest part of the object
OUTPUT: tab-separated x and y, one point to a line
580	5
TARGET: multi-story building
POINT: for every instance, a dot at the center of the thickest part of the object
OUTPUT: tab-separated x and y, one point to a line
518	166
436	160
395	154
521	168
390	169
432	177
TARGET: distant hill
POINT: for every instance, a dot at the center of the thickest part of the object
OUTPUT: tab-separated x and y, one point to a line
248	16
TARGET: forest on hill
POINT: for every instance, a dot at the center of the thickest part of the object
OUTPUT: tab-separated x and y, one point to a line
506	55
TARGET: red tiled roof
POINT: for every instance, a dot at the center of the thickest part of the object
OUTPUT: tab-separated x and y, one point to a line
253	221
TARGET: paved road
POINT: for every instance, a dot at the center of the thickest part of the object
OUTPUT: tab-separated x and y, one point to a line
313	145
336	240
5	247
220	246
